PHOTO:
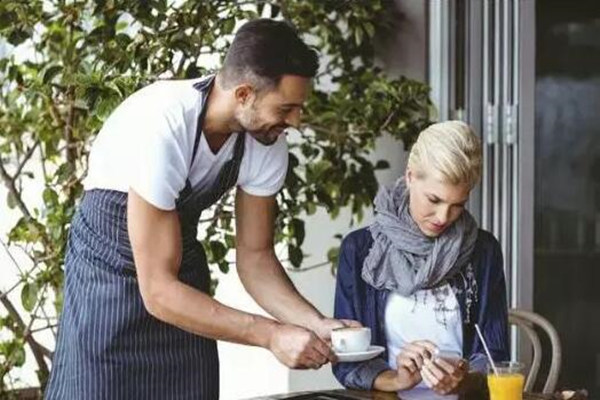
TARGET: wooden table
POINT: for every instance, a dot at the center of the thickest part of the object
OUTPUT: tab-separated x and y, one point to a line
344	394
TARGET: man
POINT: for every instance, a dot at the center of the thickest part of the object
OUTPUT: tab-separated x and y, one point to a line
137	320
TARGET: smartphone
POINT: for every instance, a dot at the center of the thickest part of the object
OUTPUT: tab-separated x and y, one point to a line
451	357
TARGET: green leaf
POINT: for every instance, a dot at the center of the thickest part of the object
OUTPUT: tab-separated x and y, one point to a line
26	230
224	267
29	295
230	241
228	26
218	251
297	229
275	11
64	172
116	89
17	36
358	36
382	164
50	72
58	301
296	256
50	197
13	350
370	29
333	255
19	356
121	25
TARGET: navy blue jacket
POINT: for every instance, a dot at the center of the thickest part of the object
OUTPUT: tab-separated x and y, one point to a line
355	299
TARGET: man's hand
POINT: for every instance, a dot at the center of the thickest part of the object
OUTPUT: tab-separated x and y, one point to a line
324	326
444	376
300	348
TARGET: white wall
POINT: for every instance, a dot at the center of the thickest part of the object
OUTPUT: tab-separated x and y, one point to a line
246	371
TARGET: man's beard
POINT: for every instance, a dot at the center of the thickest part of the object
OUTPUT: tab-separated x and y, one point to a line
266	141
248	121
267	138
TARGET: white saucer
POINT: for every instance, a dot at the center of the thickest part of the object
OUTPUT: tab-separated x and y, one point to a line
371	352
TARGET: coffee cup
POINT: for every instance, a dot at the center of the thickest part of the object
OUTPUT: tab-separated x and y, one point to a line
351	339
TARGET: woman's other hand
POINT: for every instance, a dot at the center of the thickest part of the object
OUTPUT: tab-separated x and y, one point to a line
444	376
413	355
410	360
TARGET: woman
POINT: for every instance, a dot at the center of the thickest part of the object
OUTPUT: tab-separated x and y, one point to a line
422	274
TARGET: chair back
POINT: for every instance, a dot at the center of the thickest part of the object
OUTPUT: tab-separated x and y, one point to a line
527	321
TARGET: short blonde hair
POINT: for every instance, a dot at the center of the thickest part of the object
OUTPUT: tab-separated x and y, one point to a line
450	149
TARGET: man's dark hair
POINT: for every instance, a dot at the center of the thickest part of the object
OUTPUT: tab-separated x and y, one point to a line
264	50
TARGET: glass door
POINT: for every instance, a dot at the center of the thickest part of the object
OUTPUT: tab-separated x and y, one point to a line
567	183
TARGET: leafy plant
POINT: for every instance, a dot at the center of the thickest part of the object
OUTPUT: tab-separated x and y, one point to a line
74	61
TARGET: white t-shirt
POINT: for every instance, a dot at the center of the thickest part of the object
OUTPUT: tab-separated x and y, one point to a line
147	144
408	319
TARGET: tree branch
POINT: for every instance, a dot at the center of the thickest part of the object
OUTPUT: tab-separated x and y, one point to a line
387	121
68	129
25	159
13	287
309	268
55	113
10	184
50	326
37	349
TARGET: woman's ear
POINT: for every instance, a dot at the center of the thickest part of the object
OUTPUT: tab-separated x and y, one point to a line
408	176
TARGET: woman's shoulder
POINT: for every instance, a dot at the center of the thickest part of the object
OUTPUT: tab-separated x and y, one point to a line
357	240
354	249
488	252
487	241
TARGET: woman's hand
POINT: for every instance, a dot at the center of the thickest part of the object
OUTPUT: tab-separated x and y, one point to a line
410	360
444	376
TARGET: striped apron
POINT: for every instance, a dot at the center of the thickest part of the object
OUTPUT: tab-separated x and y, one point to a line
108	346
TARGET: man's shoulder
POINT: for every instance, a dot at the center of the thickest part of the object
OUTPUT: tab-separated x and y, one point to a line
174	92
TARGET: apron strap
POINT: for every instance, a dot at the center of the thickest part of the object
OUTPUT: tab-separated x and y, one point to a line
204	86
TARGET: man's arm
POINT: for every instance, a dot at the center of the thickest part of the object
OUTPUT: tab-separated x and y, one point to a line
156	243
261	272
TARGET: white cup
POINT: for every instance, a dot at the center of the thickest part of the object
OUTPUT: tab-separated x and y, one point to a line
350	339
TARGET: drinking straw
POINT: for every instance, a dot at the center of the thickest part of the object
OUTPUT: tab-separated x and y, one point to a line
487	351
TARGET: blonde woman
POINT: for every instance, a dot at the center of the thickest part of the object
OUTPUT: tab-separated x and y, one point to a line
422	274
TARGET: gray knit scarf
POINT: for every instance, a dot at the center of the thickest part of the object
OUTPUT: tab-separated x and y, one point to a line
402	258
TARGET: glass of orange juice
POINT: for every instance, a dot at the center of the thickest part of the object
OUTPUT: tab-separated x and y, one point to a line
506	382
